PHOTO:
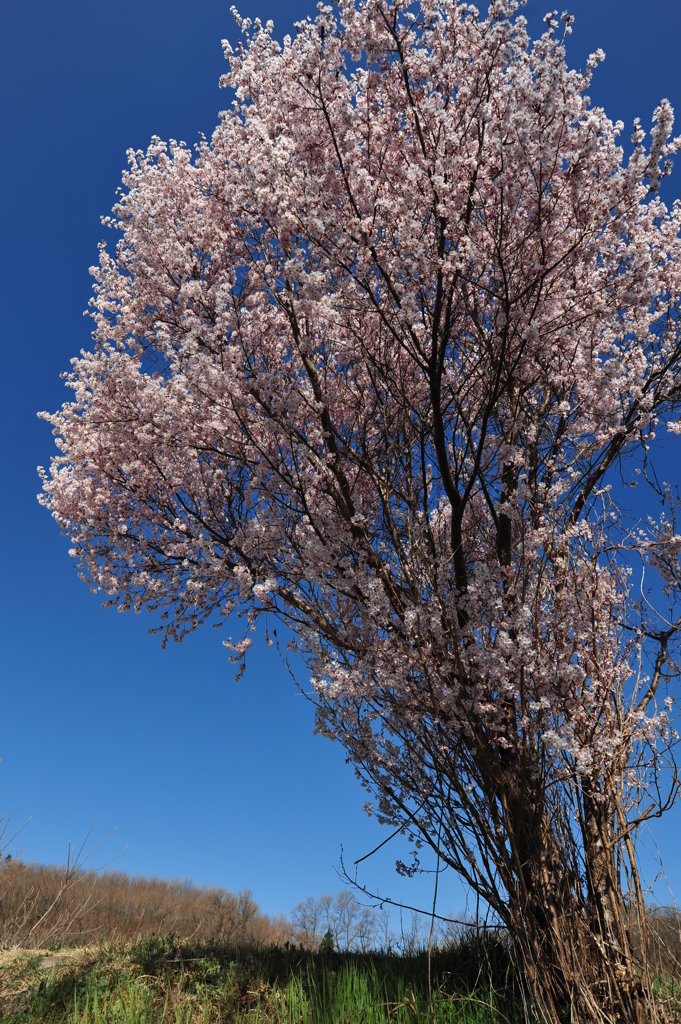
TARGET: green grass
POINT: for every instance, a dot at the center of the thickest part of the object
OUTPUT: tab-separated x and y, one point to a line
164	980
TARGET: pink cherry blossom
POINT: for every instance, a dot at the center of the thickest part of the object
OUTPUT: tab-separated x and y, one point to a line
366	361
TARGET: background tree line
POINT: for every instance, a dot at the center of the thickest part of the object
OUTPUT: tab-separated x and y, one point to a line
41	905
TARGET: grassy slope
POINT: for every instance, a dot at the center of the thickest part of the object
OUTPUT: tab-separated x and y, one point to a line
179	982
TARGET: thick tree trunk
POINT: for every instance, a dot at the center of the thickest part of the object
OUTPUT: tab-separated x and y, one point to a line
571	927
577	950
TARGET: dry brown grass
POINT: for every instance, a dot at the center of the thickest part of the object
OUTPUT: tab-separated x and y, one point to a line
44	905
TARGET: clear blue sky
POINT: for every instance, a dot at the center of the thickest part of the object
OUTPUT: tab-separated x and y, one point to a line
202	777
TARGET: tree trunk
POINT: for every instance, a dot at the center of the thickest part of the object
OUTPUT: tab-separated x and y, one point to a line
577	949
571	927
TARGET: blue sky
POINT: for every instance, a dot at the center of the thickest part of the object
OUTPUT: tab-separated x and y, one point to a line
223	782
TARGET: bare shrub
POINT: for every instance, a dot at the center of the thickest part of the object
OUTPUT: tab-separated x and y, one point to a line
41	905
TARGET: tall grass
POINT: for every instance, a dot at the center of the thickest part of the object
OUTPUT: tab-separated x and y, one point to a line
163	980
171	981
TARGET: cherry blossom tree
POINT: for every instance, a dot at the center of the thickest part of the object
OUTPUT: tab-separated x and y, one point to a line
377	361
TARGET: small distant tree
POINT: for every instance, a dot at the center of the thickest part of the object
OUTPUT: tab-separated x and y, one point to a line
346	917
310	917
327	944
366	929
385	938
377	362
411	939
